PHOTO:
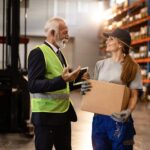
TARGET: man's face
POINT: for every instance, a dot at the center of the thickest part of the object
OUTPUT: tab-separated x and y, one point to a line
62	37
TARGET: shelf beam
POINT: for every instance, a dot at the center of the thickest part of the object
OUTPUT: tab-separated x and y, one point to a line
144	60
146	81
139	41
22	40
137	22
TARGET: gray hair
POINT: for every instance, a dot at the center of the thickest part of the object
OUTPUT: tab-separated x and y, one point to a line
52	24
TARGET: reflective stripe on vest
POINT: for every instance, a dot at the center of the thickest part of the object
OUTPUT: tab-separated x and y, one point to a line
49	106
56	101
50	96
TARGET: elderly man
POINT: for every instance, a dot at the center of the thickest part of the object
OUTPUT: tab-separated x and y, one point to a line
49	77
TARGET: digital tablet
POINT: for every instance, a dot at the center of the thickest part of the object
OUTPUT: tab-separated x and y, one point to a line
79	80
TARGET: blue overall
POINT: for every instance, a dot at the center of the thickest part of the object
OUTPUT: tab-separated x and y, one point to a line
108	134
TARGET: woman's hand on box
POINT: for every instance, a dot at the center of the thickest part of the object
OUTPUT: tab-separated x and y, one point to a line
122	116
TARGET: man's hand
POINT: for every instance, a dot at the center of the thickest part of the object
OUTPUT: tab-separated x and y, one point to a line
70	76
85	87
122	116
86	76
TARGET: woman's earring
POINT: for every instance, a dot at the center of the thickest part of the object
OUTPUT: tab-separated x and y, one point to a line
120	46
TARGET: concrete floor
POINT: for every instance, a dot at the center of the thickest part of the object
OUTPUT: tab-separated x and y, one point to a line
81	130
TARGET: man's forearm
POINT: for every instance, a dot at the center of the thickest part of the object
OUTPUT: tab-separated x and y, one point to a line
46	85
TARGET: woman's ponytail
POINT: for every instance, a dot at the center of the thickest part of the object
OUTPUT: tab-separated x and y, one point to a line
129	70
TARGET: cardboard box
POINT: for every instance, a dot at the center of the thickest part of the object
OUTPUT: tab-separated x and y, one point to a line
105	98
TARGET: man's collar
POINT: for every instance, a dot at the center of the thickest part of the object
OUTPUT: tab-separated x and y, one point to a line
55	49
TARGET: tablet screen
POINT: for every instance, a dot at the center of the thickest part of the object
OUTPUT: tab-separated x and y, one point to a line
78	80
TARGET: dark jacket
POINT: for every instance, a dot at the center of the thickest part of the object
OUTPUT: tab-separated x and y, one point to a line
38	84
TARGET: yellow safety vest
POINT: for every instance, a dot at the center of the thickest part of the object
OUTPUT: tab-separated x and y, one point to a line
51	102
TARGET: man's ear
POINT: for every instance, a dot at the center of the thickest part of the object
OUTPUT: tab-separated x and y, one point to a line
53	32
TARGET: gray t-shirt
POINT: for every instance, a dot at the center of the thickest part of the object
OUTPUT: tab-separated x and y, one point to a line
109	70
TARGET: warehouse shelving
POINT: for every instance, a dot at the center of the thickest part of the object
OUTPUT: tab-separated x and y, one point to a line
135	23
126	17
140	41
14	94
146	81
126	9
22	40
144	60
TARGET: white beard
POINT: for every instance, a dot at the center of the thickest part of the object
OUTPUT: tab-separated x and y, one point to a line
61	43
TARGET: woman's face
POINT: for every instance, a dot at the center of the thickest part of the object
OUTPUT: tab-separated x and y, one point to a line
112	44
